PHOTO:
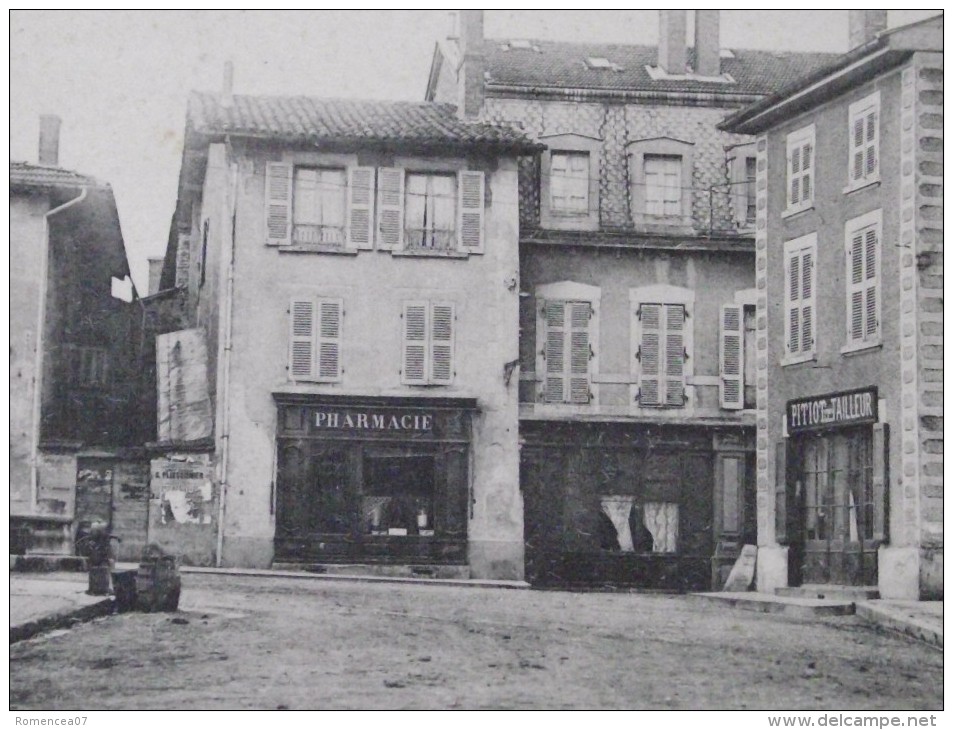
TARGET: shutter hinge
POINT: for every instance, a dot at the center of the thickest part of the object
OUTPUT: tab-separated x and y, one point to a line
592	353
638	353
685	354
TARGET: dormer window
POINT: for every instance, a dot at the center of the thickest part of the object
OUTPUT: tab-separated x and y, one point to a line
569	185
598	62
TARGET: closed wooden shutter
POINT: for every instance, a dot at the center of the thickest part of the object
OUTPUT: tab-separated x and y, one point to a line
880	456
674	355
807	300
649	354
360	207
800	277
579	352
390	208
807	171
330	315
863	285
278	203
302	340
554	350
441	343
471	210
794	167
864	140
414	360
730	357
781	492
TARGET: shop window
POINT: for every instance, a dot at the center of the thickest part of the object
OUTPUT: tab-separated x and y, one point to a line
661	180
662	343
800	170
569	186
863	281
837	473
864	135
427	336
88	366
648	527
319	208
315	339
800	262
425	212
398	496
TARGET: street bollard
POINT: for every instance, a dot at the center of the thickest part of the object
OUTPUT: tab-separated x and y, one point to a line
158	583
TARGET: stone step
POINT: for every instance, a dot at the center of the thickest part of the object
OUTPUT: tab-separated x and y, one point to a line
768	603
451	572
823	591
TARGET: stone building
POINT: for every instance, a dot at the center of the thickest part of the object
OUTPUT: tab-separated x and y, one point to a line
637	286
351	273
73	358
849	316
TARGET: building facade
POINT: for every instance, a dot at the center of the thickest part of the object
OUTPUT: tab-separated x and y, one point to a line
637	285
850	251
73	357
351	271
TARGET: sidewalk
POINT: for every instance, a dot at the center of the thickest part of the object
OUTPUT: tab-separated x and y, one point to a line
43	602
922	620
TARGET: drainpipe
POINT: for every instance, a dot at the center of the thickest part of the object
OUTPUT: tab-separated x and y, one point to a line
222	390
40	322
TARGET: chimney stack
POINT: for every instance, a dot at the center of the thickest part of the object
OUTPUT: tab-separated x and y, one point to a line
707	43
155	274
228	80
671	42
472	71
49	153
863	25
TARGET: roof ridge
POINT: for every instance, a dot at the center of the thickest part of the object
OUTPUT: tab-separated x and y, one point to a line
653	46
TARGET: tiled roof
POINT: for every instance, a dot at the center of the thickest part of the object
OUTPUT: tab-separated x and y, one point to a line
309	118
24	174
562	65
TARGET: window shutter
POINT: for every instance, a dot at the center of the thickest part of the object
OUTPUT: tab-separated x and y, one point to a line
872	134
441	343
390	208
880	472
855	288
807	301
780	493
792	316
807	172
674	355
579	351
330	314
554	351
871	280
302	340
278	202
794	167
649	354
732	343
360	207
857	139
414	361
471	210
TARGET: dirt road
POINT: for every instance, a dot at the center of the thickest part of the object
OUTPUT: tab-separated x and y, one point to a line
304	644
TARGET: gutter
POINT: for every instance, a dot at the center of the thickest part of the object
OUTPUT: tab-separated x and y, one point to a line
40	322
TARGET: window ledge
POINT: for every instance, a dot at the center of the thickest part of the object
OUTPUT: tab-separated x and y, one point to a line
789	212
798	359
858	348
432	254
862	184
318	249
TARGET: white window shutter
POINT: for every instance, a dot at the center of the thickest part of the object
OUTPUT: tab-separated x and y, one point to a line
415	343
554	351
650	328
471	210
792	319
808	281
302	340
360	207
807	172
441	343
278	202
330	316
390	208
674	372
855	288
579	352
730	357
872	282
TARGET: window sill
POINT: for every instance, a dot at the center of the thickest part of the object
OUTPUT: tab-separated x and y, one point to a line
318	249
799	359
789	212
862	184
858	348
432	254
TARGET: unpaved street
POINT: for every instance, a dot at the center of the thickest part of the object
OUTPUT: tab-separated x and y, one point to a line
308	644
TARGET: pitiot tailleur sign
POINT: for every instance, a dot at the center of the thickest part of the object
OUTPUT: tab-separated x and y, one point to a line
832	410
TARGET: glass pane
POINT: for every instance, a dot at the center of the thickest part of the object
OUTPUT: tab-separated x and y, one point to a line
398	496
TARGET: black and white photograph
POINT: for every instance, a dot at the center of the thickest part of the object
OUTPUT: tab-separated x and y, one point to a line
476	360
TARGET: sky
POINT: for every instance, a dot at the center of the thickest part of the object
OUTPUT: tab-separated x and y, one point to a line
120	79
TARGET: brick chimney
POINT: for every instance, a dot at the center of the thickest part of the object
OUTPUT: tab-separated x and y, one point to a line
707	43
863	25
473	67
671	42
49	153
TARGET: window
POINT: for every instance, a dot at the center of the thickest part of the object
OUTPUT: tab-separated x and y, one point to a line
737	356
800	164
742	178
663	185
661	337
428	333
566	351
863	280
647	527
319	208
750	189
430	212
864	133
569	183
88	366
315	341
800	262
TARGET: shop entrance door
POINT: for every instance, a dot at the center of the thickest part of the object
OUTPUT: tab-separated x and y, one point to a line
835	486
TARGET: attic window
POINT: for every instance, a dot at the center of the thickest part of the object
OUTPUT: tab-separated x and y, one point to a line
726	53
520	44
600	62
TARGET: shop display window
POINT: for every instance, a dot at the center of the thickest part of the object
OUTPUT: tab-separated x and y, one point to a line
398	496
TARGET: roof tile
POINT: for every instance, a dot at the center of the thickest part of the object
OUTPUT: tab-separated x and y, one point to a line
24	174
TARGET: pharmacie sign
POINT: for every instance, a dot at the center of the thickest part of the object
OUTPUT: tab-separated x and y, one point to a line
832	410
353	419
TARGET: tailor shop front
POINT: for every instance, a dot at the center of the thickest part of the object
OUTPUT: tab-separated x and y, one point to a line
833	471
372	480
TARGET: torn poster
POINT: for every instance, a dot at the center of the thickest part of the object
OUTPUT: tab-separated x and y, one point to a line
183	486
